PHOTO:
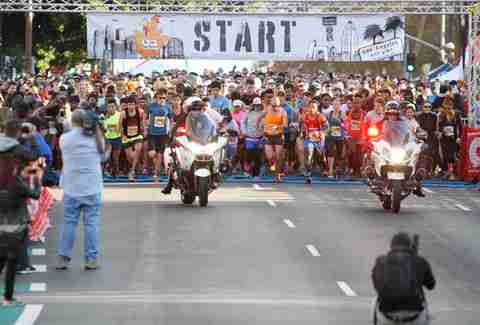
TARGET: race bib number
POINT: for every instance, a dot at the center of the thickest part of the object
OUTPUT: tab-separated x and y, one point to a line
336	131
233	140
132	131
315	135
112	128
449	131
159	121
355	126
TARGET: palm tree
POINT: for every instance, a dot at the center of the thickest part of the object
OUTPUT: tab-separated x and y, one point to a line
393	23
372	32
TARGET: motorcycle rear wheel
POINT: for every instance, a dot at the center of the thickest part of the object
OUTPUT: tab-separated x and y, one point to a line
203	191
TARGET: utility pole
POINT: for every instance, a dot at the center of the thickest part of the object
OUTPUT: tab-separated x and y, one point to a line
28	39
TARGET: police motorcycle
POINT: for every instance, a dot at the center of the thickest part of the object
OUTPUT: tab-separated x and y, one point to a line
392	164
196	161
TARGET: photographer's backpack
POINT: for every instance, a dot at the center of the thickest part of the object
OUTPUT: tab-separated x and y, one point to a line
398	281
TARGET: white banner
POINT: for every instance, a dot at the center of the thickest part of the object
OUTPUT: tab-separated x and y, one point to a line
253	37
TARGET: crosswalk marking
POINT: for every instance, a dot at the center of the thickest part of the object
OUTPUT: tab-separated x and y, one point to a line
313	250
289	223
38	287
40	268
271	203
462	207
29	315
346	289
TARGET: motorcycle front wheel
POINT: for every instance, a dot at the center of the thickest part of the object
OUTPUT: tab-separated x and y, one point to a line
396	196
187	198
387	202
203	191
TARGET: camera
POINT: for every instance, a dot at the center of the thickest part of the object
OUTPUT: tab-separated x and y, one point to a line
90	123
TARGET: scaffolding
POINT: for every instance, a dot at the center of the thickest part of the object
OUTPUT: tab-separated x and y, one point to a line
311	7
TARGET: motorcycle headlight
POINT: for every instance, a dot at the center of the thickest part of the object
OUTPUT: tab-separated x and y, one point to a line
398	155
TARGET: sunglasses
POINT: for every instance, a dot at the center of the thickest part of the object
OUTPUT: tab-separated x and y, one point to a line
161	98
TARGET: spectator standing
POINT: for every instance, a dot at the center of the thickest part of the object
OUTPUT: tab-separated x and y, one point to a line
18	182
82	185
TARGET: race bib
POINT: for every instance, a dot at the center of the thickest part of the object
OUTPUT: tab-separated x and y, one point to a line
112	128
315	135
355	126
336	131
132	131
449	131
233	140
159	121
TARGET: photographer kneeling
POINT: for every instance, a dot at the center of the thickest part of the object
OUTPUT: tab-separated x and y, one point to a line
19	181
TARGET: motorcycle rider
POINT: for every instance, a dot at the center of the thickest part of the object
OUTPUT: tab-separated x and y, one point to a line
196	114
398	279
392	114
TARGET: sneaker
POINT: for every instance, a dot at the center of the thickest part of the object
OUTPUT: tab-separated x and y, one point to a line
131	176
63	263
12	303
91	265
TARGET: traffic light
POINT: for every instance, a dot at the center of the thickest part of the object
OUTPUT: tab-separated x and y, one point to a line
411	62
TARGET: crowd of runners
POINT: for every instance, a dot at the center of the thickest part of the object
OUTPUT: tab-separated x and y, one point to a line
277	123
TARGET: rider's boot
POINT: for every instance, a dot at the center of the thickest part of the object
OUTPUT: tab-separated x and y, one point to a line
419	191
168	189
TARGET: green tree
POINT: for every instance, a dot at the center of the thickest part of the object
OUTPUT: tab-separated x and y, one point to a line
372	32
393	24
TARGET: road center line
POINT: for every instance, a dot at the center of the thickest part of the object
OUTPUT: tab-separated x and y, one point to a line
40	268
38	287
289	223
462	207
346	289
429	191
271	203
313	250
38	252
29	315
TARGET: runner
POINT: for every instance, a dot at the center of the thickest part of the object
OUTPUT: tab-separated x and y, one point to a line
158	119
314	125
275	122
113	134
132	124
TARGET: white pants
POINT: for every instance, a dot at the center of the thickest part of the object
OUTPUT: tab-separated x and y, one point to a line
380	319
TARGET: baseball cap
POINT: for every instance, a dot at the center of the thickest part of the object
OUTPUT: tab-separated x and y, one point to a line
237	102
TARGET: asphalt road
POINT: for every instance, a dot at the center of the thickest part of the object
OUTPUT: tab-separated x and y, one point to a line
267	254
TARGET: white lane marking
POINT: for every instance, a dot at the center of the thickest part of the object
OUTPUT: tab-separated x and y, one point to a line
428	190
313	250
29	315
346	289
462	207
39	252
38	287
257	187
289	223
40	268
271	203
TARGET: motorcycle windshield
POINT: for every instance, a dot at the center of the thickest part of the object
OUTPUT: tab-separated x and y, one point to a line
396	133
200	128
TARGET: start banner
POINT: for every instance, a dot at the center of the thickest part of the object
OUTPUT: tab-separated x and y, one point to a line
345	38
